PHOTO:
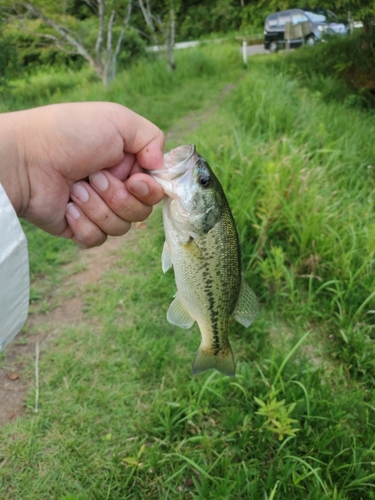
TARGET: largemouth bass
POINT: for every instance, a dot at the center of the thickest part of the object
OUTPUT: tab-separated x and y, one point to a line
202	244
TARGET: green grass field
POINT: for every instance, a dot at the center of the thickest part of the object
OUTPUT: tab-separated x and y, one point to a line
120	415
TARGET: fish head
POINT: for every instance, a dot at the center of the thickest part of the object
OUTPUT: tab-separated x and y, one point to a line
195	196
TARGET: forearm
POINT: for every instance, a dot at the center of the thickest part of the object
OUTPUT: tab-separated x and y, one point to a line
13	173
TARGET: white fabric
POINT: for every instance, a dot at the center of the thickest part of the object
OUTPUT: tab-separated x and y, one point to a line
14	272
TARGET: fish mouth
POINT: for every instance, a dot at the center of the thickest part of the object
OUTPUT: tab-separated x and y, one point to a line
176	162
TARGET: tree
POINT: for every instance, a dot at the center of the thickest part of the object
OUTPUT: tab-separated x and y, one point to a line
9	66
102	53
361	10
162	27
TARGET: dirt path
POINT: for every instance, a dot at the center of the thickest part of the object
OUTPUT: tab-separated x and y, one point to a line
187	125
20	354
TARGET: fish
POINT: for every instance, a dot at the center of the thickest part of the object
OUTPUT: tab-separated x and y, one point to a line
202	245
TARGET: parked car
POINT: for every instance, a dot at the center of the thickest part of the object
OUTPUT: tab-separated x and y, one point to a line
336	23
333	22
274	28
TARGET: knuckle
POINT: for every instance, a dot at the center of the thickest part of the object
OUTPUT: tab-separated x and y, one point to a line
144	214
119	229
127	209
89	237
97	240
118	199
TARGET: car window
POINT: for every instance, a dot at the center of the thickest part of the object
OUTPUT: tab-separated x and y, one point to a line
331	16
283	19
299	18
296	18
315	18
272	21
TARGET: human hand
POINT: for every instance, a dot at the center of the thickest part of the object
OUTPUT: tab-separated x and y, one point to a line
54	149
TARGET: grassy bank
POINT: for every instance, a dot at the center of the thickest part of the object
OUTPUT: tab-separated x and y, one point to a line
120	414
341	70
305	178
148	88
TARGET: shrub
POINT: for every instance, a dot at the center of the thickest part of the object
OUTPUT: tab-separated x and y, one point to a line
349	59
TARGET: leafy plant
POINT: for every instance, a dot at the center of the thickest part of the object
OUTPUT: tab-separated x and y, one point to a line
277	415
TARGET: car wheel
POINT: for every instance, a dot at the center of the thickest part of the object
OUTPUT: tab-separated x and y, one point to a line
310	41
273	47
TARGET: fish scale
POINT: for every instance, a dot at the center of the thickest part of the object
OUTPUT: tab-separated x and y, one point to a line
202	245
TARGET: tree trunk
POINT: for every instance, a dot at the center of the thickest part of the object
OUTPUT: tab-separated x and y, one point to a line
146	11
169	46
125	24
74	41
100	39
162	34
108	67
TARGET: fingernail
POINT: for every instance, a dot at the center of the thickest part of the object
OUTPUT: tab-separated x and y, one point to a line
80	192
72	211
139	188
99	180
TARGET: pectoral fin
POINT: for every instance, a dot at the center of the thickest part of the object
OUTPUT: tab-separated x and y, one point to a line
246	309
166	258
178	315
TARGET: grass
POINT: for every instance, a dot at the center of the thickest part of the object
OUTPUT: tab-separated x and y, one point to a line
120	415
46	256
344	65
306	184
147	88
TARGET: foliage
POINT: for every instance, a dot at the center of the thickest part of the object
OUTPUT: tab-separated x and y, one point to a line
202	18
8	63
47	255
144	87
120	415
307	219
54	28
277	415
193	20
348	59
32	53
363	10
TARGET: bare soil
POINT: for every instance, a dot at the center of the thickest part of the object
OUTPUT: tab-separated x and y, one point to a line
20	354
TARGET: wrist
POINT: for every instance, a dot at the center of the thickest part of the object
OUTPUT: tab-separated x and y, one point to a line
13	173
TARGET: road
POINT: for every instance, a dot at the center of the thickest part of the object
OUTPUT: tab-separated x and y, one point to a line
251	49
256	49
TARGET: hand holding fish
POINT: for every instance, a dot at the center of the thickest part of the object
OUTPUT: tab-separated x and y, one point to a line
77	170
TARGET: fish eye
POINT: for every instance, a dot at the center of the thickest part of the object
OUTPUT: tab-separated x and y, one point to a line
204	180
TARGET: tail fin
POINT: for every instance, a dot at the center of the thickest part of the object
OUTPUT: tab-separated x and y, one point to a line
222	361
